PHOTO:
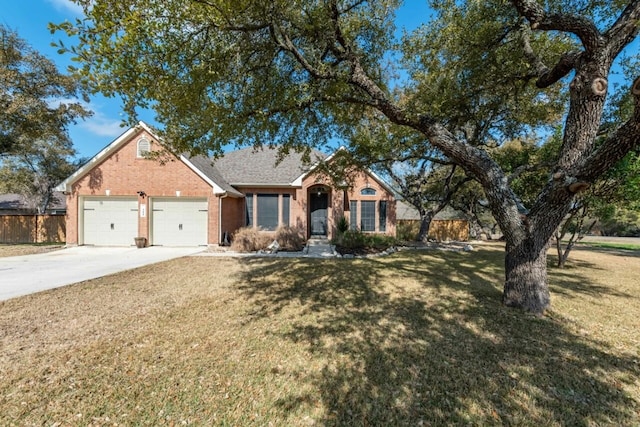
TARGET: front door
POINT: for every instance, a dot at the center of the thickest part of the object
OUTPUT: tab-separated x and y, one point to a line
318	217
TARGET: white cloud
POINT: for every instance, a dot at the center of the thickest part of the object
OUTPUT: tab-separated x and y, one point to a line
67	6
101	125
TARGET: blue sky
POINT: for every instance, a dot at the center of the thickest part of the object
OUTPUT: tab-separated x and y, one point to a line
30	19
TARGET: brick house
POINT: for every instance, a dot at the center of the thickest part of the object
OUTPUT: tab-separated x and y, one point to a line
186	201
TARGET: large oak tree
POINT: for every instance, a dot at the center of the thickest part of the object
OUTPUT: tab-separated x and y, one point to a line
297	72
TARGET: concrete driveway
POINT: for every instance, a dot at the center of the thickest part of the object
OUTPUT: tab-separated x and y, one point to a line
22	275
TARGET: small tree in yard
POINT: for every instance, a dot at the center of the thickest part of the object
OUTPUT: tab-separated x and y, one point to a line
299	72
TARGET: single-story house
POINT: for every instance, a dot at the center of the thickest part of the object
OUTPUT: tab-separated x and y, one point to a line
122	193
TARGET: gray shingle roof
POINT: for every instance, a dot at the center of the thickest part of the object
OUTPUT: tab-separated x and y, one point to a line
205	166
255	167
261	167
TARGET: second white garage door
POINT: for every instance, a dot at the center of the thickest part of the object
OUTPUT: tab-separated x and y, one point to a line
179	222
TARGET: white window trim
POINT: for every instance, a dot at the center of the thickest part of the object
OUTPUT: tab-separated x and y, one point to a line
141	149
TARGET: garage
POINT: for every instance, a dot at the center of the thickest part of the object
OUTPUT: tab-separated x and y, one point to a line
110	221
179	222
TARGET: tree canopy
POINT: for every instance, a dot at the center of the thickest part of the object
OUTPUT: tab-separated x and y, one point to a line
37	102
300	72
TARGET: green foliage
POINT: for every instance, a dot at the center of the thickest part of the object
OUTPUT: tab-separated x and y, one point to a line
356	241
232	63
407	231
621	222
343	225
31	90
470	72
35	148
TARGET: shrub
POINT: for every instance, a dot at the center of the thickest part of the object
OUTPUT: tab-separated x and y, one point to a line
355	241
249	239
289	238
407	231
343	225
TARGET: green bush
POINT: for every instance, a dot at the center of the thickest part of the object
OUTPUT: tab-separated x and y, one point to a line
343	225
359	242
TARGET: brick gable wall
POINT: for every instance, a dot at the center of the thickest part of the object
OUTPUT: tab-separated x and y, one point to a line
123	173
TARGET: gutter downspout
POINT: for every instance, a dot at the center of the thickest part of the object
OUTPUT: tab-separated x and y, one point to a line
222	196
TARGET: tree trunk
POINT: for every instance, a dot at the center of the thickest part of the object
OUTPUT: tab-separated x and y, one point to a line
526	284
425	223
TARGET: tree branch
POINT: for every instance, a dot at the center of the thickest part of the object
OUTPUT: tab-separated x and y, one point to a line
582	27
285	43
625	29
617	145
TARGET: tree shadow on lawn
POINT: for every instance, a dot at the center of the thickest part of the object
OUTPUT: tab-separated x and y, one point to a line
569	282
421	338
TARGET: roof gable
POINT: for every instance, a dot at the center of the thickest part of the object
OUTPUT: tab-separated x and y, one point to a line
216	182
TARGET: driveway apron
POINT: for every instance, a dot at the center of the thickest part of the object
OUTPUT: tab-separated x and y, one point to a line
23	275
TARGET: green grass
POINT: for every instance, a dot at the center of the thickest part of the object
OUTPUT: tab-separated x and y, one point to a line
415	338
612	245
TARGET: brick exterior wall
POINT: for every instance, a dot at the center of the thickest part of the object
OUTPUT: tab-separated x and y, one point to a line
338	204
123	173
339	200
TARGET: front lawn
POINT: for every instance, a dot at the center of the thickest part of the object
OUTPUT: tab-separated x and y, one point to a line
415	338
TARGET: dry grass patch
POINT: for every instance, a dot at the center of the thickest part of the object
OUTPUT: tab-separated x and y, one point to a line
7	250
417	338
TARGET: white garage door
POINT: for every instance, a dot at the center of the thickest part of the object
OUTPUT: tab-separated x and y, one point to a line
110	221
179	222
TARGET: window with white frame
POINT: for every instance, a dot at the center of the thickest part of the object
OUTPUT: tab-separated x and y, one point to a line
144	146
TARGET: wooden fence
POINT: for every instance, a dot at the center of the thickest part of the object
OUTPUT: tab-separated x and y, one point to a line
441	229
32	229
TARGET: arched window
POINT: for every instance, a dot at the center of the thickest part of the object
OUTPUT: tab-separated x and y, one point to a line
144	146
368	192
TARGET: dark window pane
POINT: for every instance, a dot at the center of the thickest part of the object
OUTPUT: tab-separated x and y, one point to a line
368	215
249	209
353	214
286	207
368	192
383	216
268	211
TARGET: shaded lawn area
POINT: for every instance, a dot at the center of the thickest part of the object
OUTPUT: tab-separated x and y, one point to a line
416	338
